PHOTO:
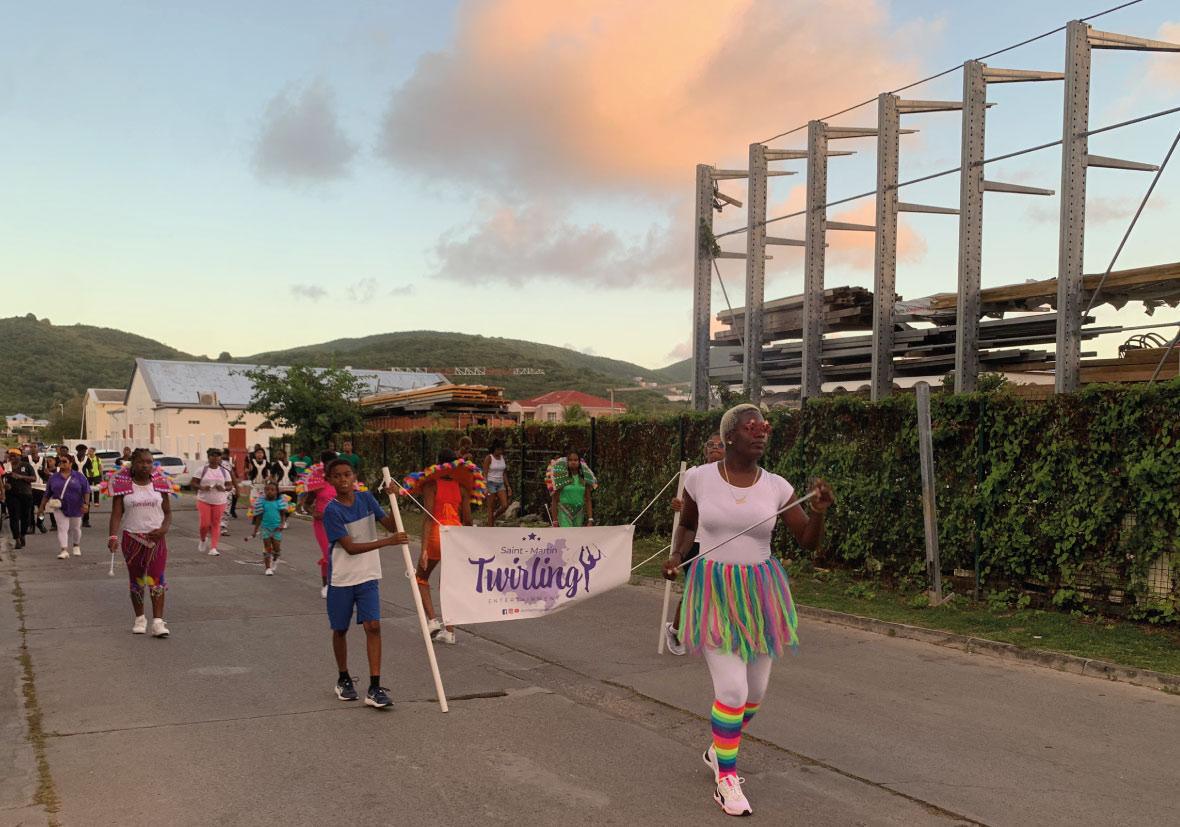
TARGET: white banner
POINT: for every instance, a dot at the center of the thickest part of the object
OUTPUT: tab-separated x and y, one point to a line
491	574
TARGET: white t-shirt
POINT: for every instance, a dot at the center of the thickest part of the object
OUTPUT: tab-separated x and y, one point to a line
721	515
213	476
143	509
496	469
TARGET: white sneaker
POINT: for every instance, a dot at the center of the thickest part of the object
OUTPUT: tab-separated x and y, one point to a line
730	796
270	572
434	626
214	552
203	546
139	627
65	554
672	641
710	759
158	627
324	592
77	551
445	637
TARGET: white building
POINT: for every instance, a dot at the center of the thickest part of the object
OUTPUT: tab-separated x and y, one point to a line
182	408
97	407
23	425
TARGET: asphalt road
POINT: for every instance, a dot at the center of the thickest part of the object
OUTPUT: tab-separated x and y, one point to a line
570	719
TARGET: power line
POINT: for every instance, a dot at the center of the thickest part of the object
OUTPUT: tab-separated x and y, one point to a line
952	69
1154	180
952	170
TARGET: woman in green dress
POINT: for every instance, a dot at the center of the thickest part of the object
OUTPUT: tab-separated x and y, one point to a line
570	503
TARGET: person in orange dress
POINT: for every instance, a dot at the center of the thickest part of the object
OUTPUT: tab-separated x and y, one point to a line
449	501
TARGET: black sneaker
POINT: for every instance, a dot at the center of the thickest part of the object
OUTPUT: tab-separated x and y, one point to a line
345	691
378	696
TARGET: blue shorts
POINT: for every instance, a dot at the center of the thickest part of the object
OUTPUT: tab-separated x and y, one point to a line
495	487
275	533
365	596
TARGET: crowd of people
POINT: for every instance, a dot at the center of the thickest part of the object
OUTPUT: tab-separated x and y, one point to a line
736	611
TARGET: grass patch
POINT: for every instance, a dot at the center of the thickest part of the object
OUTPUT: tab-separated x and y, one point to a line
46	794
1087	636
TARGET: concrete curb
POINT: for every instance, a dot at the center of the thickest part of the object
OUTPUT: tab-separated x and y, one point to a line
1073	664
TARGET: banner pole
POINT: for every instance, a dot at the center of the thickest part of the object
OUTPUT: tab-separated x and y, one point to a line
668	583
422	624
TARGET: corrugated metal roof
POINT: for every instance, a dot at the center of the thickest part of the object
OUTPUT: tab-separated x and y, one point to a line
107	394
183	383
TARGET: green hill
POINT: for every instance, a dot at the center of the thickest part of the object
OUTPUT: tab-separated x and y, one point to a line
677	371
562	368
47	363
56	363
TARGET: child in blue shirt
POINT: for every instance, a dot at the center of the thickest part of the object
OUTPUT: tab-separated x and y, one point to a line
270	514
354	572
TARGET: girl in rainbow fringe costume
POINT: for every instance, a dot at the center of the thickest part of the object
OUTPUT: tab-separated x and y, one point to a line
737	609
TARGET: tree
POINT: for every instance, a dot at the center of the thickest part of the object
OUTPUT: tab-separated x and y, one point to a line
65	420
317	403
575	413
224	356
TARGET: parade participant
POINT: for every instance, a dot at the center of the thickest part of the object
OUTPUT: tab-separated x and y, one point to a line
141	514
123	460
446	492
228	462
350	521
67	497
92	471
495	470
352	459
301	462
283	473
465	449
79	464
213	484
258	472
714	453
270	514
570	482
738	610
43	470
19	478
318	492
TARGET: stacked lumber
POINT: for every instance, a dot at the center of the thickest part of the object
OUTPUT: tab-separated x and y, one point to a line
1154	286
845	308
1132	366
445	397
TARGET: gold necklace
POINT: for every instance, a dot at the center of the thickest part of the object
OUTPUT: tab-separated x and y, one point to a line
736	499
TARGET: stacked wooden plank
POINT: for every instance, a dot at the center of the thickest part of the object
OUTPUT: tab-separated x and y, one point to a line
845	308
444	398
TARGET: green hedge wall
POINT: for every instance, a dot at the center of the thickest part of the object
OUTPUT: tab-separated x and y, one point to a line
1077	495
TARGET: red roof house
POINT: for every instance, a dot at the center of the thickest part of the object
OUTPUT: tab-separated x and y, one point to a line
551	407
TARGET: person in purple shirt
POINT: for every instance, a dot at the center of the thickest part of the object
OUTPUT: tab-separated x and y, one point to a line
69	492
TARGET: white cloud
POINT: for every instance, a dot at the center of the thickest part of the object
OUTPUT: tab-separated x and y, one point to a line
301	140
311	292
403	290
362	291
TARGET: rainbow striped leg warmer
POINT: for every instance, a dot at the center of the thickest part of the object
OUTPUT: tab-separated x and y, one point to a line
727	736
750	711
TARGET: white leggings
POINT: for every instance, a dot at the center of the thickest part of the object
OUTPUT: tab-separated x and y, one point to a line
735	682
69	529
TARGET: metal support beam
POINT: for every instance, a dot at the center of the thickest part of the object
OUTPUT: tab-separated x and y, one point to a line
1118	163
971	186
1072	230
1019	189
814	257
702	283
885	256
755	273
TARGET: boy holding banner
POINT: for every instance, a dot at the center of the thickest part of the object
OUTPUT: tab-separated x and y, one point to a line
354	571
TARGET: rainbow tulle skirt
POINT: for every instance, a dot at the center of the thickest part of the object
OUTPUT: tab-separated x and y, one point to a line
746	610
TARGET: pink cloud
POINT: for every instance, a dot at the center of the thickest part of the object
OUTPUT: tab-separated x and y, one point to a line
615	94
558	101
1163	68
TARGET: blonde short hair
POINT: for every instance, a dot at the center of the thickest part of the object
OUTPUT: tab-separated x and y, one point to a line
729	420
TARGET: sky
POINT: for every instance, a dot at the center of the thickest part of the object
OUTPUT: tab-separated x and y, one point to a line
254	176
